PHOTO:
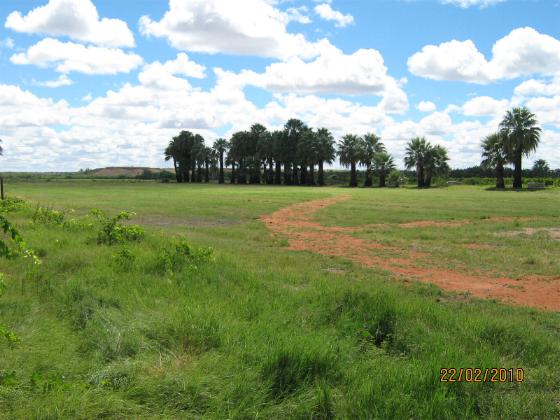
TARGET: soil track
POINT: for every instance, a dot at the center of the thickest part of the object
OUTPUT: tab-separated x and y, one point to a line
297	224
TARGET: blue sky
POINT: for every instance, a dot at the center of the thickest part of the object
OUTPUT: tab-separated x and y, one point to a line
98	83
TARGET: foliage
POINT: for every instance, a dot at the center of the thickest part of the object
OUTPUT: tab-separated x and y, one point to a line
112	231
48	216
427	159
395	178
10	204
124	259
521	134
172	258
20	247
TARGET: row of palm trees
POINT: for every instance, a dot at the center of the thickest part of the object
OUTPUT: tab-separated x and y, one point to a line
518	135
292	155
295	155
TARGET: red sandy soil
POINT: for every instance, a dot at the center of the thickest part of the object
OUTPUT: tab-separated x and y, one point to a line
297	224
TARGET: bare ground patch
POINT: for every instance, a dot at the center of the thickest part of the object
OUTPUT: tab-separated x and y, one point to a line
554	233
297	224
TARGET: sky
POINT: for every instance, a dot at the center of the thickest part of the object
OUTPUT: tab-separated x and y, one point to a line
94	83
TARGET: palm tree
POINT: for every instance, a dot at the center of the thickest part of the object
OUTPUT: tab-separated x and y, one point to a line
277	141
522	135
293	131
494	156
325	153
171	153
307	156
350	151
372	146
435	163
221	146
416	150
383	163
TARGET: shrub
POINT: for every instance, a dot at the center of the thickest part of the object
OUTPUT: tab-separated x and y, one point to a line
12	204
395	179
112	230
21	249
124	259
180	255
48	216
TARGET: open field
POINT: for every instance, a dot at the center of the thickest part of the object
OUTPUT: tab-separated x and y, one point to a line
315	310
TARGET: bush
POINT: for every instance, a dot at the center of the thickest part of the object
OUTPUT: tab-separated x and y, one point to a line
180	255
48	216
124	259
395	179
12	204
112	231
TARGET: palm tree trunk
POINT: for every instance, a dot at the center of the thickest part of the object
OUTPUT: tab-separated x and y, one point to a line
368	182
321	175
295	179
193	172
500	176
278	173
382	177
199	172
177	169
353	178
270	178
221	177
207	172
303	175
517	170
287	174
232	179
312	174
241	173
419	176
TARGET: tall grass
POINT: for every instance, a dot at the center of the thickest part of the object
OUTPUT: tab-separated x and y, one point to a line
260	331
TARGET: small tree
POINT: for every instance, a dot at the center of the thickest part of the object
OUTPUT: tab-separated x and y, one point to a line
350	151
541	168
494	156
522	135
383	163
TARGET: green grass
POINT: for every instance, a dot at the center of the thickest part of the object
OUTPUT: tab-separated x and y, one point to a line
263	331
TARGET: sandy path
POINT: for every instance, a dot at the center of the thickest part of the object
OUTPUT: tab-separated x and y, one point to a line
297	224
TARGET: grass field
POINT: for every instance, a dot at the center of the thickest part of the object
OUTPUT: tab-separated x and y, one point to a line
266	331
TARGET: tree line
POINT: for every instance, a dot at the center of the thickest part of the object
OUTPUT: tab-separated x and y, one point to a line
296	155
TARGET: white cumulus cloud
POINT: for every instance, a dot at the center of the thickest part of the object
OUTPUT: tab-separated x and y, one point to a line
326	12
485	106
69	57
77	19
522	52
63	80
250	27
426	106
